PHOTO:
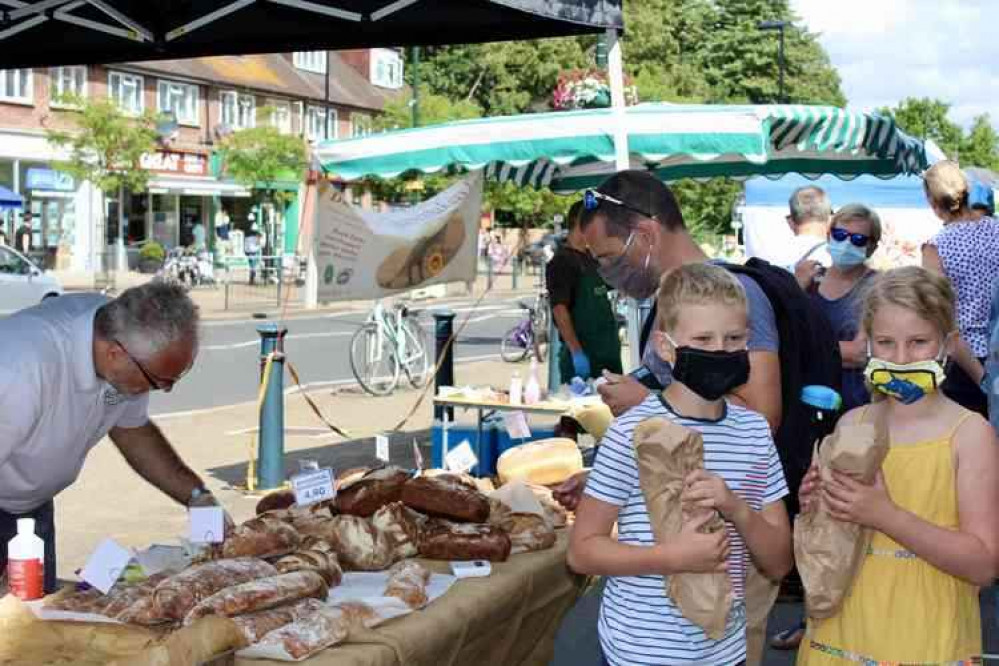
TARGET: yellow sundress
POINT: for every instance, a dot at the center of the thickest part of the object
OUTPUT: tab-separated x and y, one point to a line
901	609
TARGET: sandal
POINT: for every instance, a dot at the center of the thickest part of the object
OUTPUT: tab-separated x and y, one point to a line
788	639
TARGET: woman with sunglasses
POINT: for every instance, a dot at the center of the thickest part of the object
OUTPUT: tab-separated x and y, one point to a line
966	251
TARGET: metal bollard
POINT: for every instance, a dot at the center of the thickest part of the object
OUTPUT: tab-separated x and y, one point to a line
555	377
443	330
270	440
514	271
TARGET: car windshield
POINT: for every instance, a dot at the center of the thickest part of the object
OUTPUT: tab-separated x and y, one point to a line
12	264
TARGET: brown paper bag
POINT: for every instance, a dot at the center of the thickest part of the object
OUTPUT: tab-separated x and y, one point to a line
829	552
666	454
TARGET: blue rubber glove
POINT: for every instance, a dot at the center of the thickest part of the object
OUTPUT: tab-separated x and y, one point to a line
581	364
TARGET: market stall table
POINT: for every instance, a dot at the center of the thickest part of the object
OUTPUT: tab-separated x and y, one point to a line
486	407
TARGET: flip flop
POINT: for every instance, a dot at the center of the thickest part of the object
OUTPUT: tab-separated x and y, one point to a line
789	638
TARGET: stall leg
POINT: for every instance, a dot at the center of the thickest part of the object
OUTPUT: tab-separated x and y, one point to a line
443	330
270	449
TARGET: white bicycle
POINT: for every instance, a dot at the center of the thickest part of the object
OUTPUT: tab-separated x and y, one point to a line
387	345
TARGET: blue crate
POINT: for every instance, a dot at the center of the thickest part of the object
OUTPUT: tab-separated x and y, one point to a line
495	440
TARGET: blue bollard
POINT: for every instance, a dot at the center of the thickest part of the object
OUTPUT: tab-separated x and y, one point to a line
270	441
443	330
555	378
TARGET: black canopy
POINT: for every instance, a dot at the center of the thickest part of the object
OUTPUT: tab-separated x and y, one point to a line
70	32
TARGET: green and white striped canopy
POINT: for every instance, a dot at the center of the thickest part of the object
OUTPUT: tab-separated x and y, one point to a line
572	150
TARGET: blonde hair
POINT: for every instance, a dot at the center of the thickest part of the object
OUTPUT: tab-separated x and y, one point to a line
924	292
696	284
947	187
856	211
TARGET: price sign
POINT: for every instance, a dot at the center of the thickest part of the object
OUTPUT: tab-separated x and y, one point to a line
382	448
516	425
313	487
418	457
461	458
106	565
206	524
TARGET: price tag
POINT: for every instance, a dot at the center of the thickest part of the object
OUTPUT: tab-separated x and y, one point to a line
312	487
206	524
106	565
418	457
382	448
516	425
461	458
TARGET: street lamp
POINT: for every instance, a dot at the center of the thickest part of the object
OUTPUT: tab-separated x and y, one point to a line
779	26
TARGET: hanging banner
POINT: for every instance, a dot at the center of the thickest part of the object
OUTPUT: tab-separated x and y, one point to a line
362	254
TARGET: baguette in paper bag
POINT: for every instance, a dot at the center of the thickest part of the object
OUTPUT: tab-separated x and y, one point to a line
666	454
829	552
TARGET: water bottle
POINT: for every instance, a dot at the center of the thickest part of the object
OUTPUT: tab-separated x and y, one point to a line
532	392
516	389
825	403
26	562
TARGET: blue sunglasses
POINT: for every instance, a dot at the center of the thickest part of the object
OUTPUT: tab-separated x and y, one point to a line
840	235
592	199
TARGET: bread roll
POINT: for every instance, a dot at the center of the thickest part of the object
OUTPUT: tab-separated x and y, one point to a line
545	462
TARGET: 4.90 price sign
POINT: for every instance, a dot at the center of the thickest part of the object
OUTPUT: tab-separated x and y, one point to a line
313	487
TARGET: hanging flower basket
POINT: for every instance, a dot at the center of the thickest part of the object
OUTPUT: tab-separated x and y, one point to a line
588	89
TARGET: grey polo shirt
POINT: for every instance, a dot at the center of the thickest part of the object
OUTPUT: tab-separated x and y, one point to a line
53	406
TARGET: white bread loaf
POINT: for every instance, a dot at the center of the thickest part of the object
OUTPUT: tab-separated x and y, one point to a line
544	462
595	417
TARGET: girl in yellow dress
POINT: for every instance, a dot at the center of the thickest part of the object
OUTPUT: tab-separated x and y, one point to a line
932	506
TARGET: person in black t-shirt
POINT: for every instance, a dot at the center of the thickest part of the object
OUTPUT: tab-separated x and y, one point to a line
581	310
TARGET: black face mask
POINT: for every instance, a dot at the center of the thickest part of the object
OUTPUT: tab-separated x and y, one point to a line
711	374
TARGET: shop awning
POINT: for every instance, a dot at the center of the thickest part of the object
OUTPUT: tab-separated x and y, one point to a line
10	200
202	187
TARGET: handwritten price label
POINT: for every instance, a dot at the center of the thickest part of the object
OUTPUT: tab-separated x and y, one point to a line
313	487
461	458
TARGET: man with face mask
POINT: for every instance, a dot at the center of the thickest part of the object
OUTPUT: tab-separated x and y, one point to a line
77	368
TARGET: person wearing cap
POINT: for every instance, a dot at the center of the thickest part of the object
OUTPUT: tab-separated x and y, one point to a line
74	369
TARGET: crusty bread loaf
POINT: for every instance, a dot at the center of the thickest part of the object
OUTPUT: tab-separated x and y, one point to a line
371	492
445	540
408	581
528	532
260	594
315	555
177	595
358	544
401	526
253	626
263	536
446	497
544	462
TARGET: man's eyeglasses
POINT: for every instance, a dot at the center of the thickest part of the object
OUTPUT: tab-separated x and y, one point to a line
155	383
592	199
839	235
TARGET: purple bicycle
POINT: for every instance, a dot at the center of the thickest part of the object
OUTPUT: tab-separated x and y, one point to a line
530	336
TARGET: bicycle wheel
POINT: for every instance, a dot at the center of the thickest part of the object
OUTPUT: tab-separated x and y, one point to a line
514	345
416	355
373	361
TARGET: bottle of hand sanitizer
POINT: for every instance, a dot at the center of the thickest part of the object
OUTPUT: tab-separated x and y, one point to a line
532	392
26	562
516	389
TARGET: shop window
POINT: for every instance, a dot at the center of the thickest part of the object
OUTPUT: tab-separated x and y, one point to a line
311	61
126	91
360	124
238	109
15	85
67	82
179	98
386	68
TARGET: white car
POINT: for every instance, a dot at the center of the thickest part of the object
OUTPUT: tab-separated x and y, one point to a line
22	283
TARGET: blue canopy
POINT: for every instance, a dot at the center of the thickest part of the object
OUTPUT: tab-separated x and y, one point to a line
898	192
10	200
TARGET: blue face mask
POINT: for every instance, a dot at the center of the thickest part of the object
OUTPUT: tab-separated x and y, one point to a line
845	254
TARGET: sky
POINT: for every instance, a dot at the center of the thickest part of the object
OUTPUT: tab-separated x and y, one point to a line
887	50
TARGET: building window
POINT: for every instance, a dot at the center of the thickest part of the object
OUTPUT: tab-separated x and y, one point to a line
311	61
126	91
315	124
386	68
238	110
280	116
360	124
67	82
180	98
15	85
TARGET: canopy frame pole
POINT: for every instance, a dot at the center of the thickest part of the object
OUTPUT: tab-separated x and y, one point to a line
390	9
22	26
139	29
320	9
38	8
64	16
207	19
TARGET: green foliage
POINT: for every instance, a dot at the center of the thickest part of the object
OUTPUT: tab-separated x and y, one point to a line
525	206
927	119
259	157
107	144
152	251
707	206
434	108
980	147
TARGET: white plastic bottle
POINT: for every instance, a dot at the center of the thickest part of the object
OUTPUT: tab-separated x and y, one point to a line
516	389
26	562
532	392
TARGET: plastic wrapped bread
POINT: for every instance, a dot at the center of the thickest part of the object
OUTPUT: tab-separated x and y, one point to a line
829	552
408	582
260	594
174	598
545	462
666	453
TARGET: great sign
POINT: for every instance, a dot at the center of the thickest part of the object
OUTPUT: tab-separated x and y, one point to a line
189	164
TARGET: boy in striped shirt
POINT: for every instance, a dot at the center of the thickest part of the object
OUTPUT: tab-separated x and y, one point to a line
701	332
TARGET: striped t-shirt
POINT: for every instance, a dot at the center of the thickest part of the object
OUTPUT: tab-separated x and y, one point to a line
638	623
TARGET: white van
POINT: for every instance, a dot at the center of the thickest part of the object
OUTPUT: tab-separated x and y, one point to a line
22	283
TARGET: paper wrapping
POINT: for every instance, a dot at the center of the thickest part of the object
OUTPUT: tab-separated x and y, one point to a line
666	454
829	552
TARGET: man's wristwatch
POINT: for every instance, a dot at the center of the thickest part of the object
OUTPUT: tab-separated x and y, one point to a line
201	496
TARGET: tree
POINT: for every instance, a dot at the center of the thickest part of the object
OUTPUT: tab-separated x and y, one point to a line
260	157
926	118
980	147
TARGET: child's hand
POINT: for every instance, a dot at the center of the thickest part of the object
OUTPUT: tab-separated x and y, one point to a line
709	491
697	552
851	501
809	490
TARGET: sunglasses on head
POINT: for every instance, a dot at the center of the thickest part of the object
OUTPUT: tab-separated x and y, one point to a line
840	235
592	199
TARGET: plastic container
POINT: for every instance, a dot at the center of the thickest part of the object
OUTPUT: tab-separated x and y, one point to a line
26	562
532	391
485	450
516	389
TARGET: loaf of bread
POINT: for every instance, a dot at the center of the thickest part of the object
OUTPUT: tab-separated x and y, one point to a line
371	492
545	462
528	532
359	614
445	540
263	536
499	511
120	598
174	598
358	544
254	626
279	499
261	594
555	513
446	497
124	599
401	526
309	634
314	555
408	581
